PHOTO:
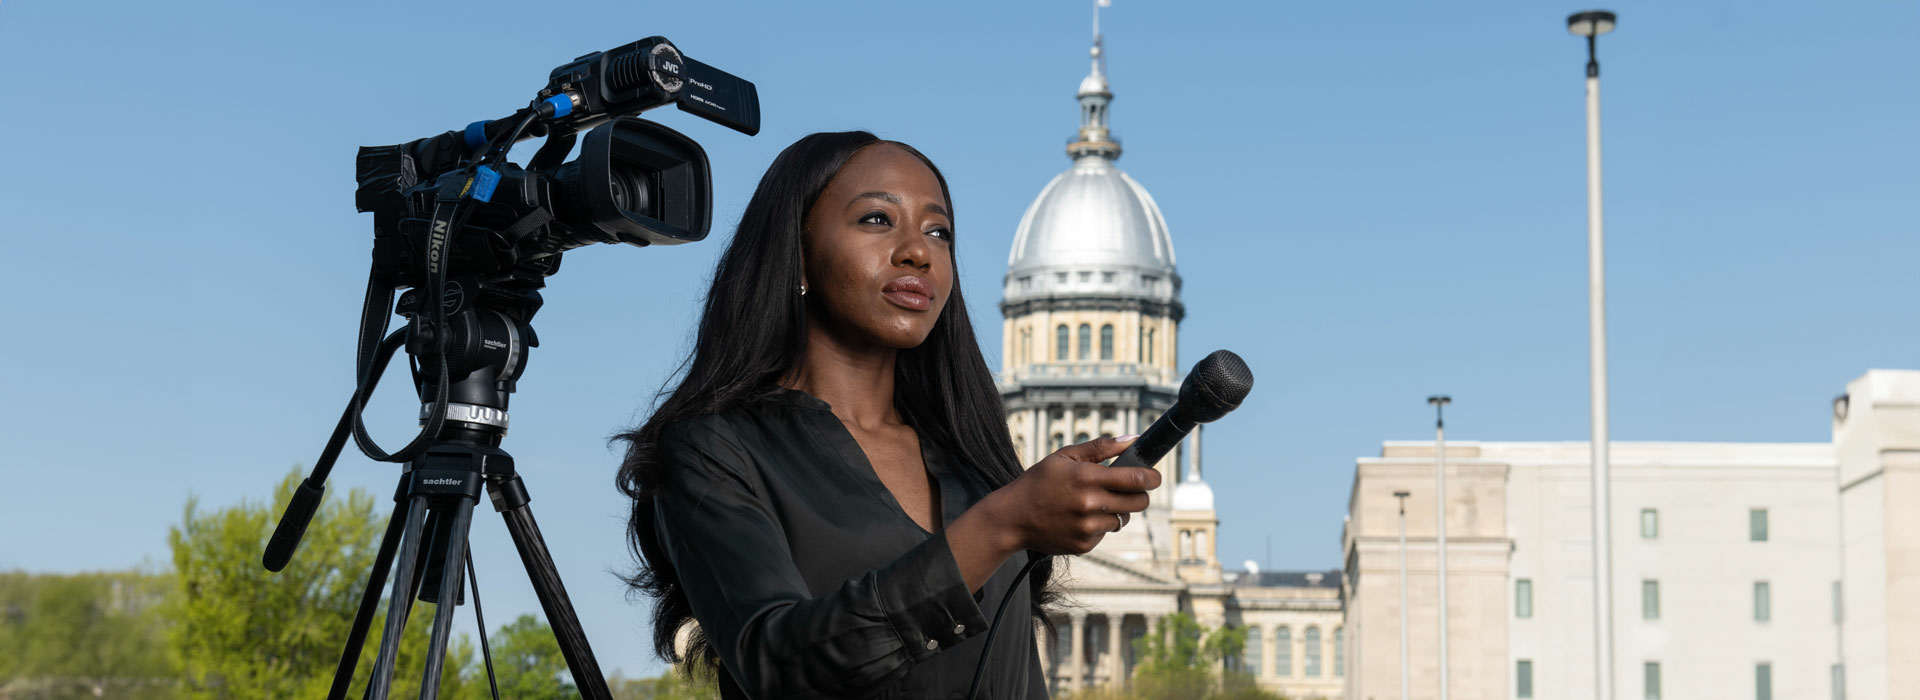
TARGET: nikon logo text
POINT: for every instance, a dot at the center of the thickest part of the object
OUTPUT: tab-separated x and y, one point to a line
440	482
438	244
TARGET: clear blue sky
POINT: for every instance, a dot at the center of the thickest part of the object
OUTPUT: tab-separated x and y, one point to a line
1369	203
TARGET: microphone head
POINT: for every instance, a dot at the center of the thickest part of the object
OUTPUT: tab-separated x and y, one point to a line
1217	385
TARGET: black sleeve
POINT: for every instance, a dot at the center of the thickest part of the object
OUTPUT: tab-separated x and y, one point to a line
774	637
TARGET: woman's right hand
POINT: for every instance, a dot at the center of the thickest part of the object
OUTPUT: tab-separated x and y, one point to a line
1068	502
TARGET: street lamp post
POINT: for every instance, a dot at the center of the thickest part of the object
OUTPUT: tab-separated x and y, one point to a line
1592	24
1440	500
1405	683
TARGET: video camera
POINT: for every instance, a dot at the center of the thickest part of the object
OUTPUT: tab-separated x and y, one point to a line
635	181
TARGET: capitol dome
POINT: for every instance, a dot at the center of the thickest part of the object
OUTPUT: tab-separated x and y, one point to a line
1093	231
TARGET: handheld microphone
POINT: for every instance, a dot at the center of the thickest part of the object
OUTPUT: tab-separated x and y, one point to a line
1217	385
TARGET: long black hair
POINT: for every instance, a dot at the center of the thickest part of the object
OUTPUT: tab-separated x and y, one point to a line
754	330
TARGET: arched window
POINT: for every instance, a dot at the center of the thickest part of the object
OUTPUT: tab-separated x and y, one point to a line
1339	651
1086	342
1058	442
1252	657
1149	345
1186	544
1106	342
1140	344
1313	652
1060	352
1079	438
1200	550
1283	652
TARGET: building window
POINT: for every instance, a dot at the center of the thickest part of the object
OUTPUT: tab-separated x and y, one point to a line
1523	598
1757	524
1079	438
1060	277
1026	283
1652	680
1186	544
1762	601
1106	342
1149	346
1251	659
1763	681
1523	678
1086	342
1086	276
1106	277
1649	599
1339	651
1057	442
1060	350
1106	414
1283	652
1313	652
1140	344
1150	282
1649	524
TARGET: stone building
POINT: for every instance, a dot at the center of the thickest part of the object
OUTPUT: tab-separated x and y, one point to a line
1740	570
1092	315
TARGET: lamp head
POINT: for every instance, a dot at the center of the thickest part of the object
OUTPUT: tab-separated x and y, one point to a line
1590	23
1402	494
1439	399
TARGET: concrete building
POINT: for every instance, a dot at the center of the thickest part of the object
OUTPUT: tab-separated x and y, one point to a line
1091	348
1756	570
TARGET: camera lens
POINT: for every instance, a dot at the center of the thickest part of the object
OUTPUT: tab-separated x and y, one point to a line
632	188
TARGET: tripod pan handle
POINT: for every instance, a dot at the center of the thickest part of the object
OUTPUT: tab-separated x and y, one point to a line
293	525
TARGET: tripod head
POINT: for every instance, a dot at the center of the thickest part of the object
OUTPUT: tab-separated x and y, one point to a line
488	330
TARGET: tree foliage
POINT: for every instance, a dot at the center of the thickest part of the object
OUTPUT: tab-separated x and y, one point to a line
700	683
84	635
1183	660
244	632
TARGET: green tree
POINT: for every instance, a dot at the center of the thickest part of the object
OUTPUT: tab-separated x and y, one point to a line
527	663
1183	660
243	632
84	635
701	684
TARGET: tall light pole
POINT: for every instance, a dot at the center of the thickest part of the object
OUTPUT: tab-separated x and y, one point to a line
1440	499
1405	682
1592	24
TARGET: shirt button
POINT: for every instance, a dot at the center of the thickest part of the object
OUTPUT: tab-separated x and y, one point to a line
933	644
958	629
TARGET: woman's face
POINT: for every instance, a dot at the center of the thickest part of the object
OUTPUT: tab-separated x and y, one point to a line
879	259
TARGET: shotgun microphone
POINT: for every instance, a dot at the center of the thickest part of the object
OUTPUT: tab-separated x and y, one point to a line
1217	385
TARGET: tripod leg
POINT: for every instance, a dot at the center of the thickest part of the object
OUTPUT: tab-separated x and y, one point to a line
369	602
449	588
397	606
510	498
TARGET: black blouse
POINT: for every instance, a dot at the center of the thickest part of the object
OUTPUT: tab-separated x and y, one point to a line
808	577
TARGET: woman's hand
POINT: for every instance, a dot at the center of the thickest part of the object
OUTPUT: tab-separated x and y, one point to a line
1068	502
1065	504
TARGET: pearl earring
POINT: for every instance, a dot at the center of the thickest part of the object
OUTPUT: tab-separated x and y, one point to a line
803	289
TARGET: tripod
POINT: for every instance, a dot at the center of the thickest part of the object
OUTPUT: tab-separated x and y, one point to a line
489	335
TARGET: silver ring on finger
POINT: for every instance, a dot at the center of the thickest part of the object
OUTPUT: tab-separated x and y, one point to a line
1122	517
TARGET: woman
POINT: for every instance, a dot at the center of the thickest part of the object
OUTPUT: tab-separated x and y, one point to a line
831	490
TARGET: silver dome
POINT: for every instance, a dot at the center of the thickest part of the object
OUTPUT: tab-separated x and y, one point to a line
1093	230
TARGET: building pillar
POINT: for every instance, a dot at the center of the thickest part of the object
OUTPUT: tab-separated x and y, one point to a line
1040	633
1037	444
1116	667
1075	666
